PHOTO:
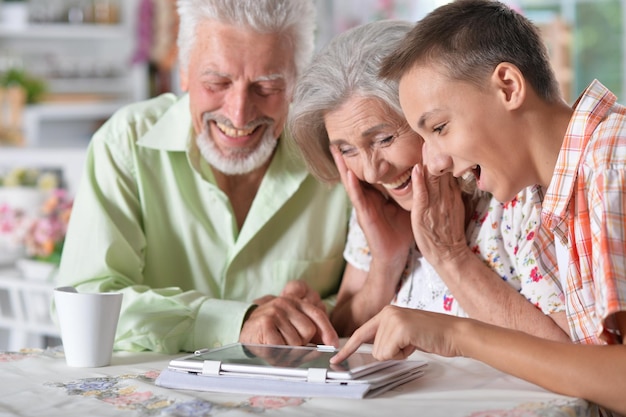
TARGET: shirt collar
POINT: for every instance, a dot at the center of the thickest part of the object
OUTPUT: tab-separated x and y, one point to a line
589	110
173	130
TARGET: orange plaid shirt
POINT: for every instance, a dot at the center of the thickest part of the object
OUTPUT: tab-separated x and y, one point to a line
585	207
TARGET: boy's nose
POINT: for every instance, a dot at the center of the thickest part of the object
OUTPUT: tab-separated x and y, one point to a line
437	162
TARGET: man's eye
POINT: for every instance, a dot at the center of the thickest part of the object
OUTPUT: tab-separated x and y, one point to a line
217	86
267	90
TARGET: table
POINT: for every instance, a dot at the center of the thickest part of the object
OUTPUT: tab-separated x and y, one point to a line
38	383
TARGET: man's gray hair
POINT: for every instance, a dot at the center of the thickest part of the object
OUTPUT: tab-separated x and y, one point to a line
293	18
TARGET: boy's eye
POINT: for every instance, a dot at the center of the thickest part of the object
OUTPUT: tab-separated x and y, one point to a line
439	128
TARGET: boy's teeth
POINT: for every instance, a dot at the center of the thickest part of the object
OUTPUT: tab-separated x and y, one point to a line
468	174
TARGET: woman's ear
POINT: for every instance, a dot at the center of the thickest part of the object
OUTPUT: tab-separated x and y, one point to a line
510	83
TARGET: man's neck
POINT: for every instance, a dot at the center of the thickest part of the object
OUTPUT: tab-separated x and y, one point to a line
241	189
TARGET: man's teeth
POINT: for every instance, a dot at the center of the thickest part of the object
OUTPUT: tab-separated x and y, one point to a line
401	180
232	132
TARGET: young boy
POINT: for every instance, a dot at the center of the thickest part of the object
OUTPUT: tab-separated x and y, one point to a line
476	83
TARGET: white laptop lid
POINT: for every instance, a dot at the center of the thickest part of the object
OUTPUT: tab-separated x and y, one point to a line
277	360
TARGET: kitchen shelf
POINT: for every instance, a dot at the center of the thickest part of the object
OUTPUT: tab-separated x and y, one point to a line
41	120
88	69
61	31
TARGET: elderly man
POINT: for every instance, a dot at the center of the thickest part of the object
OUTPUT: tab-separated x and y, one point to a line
195	208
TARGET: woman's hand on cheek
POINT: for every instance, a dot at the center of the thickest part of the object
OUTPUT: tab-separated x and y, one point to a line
438	216
387	227
362	198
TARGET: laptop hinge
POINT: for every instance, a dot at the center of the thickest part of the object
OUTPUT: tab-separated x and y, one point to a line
211	368
316	375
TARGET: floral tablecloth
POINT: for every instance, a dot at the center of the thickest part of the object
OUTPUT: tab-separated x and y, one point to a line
38	383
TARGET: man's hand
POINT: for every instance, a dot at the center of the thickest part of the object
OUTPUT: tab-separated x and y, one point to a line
296	317
302	291
299	290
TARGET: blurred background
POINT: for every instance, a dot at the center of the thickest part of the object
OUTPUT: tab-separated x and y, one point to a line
586	38
67	65
76	61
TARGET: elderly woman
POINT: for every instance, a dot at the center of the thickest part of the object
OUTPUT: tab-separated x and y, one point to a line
473	256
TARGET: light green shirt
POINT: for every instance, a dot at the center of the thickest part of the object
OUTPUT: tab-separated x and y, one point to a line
149	221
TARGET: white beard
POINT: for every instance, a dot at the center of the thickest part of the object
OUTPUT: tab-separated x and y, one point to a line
236	163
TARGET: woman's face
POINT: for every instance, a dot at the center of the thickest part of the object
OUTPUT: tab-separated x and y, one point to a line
377	145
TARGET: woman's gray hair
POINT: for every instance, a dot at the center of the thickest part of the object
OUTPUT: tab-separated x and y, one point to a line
348	66
293	18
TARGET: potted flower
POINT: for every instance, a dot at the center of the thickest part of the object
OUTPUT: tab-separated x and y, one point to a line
34	213
11	232
45	233
25	189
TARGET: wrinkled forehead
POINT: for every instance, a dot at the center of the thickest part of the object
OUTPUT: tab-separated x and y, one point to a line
230	49
362	114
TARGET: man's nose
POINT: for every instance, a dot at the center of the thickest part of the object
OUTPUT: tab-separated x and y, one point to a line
437	162
238	106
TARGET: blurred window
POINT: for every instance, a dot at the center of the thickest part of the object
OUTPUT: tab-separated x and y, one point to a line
586	38
593	38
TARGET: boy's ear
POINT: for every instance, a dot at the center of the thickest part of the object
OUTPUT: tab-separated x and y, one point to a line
510	84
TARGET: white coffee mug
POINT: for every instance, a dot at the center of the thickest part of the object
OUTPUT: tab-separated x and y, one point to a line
88	323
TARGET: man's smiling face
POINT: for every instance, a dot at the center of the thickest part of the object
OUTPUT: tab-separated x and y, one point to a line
239	85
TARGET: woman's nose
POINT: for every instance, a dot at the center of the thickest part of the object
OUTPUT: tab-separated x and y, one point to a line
373	168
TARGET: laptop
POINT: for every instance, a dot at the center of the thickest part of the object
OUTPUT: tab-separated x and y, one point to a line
277	360
303	371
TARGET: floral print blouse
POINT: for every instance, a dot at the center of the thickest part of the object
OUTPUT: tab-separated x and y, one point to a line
501	234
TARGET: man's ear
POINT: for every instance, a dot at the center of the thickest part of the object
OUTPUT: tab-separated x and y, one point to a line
183	79
510	83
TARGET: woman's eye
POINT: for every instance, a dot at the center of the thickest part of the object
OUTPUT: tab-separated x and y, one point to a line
387	140
343	150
